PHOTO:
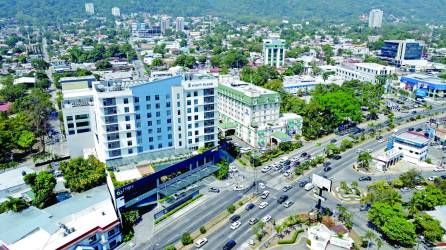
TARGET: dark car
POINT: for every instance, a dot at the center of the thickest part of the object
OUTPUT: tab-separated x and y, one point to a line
229	245
326	164
443	177
282	198
419	129
365	178
234	218
337	157
214	190
303	154
249	206
302	183
326	169
333	141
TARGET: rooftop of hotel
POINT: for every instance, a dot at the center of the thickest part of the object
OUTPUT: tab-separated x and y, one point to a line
246	88
59	224
373	66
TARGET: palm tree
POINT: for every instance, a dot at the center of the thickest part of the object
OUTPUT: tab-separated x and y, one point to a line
13	204
363	159
369	236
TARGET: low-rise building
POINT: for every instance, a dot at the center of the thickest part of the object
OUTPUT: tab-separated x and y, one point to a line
12	183
87	220
367	72
412	145
425	86
321	238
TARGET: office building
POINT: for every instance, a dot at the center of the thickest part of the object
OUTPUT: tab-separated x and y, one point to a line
274	52
179	24
304	83
89	8
366	72
116	11
87	220
164	24
375	18
398	51
252	113
425	86
412	145
120	119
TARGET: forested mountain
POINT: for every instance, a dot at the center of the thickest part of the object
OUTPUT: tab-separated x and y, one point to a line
52	11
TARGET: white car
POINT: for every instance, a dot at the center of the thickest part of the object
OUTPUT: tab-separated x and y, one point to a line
287	173
264	194
235	225
283	159
238	188
288	203
262	185
263	204
266	218
432	178
201	242
419	187
308	186
439	169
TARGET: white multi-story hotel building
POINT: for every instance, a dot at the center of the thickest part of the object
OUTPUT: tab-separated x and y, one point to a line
253	113
116	12
274	52
367	72
89	8
119	119
179	24
412	145
375	18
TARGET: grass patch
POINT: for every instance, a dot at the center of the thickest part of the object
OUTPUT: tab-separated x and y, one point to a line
293	238
177	209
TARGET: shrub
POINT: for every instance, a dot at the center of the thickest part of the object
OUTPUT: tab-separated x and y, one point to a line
170	247
292	239
231	209
186	239
202	230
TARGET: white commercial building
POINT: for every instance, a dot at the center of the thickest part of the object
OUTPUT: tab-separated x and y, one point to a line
12	184
121	119
375	18
179	24
322	238
164	24
116	11
412	145
367	72
89	8
87	220
274	52
252	113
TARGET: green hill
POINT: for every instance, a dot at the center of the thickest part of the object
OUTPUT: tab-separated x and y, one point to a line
53	11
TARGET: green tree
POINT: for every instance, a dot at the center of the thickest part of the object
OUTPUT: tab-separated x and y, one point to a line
345	144
215	61
381	212
13	204
202	59
186	239
411	178
40	64
42	185
103	64
428	227
26	139
275	85
157	62
83	174
381	191
400	230
428	198
364	159
231	209
369	236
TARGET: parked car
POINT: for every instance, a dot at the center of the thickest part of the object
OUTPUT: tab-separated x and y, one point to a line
364	207
288	203
263	204
229	245
253	221
286	188
287	173
266	169
262	185
266	218
214	190
282	198
439	169
239	187
309	186
201	242
405	189
419	187
337	157
326	164
234	218
365	178
326	169
333	141
304	182
304	154
264	194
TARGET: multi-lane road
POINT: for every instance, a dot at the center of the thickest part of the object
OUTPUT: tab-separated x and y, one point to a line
170	231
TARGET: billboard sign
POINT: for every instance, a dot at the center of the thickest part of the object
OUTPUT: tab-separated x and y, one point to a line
321	182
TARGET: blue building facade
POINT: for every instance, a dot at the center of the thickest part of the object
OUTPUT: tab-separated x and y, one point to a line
425	86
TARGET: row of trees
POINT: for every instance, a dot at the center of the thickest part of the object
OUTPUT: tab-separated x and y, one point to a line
401	222
77	54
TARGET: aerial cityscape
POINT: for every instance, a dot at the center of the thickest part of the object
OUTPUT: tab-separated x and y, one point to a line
197	124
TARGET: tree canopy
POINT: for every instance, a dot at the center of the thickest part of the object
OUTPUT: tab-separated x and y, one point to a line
83	174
